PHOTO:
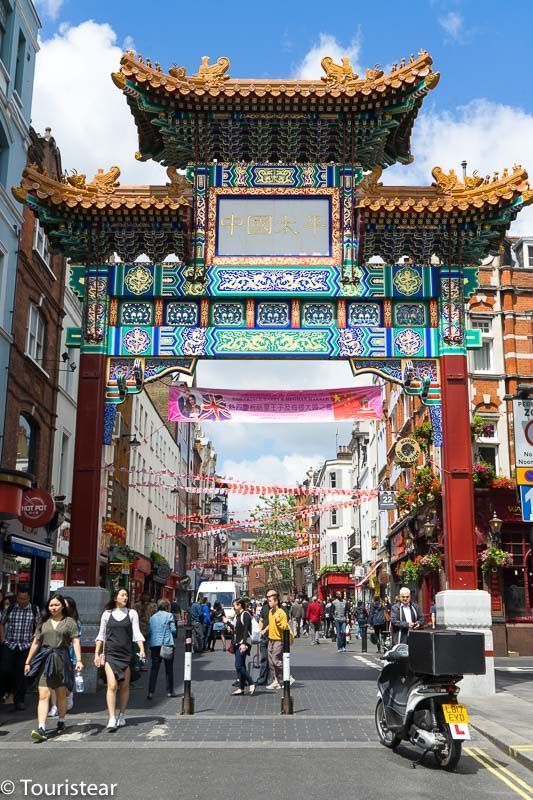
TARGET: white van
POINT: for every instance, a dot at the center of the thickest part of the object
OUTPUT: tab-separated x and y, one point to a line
223	592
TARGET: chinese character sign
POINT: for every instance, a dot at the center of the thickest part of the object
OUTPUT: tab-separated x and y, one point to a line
281	226
230	405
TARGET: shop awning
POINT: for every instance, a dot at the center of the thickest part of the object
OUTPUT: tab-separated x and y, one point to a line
368	574
24	547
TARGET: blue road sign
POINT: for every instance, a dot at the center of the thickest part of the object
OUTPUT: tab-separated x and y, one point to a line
526	499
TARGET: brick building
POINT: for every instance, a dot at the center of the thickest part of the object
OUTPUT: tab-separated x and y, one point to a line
35	363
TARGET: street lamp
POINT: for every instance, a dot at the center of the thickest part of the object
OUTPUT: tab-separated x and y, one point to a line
495	528
429	525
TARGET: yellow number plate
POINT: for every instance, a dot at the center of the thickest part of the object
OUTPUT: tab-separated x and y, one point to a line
455	713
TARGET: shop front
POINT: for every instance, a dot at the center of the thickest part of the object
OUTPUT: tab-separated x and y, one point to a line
141	569
501	528
333	580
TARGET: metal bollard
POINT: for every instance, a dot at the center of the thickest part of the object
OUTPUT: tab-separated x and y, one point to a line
364	639
287	706
187	704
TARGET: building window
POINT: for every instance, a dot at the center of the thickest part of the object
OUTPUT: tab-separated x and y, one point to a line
483	356
489	454
4	37
530	255
40	242
26	444
64	463
35	334
333	553
4	156
333	517
333	480
19	69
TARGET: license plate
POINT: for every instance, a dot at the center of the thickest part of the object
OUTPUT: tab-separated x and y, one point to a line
455	713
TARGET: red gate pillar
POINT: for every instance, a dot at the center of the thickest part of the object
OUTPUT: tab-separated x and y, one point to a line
458	489
84	558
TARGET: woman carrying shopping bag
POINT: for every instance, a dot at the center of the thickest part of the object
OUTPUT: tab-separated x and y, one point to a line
161	633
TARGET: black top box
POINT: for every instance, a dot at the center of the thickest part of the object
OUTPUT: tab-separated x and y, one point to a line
446	652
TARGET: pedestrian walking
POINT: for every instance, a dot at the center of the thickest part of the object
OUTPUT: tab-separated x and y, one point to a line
405	616
315	615
119	632
161	632
49	660
219	627
206	622
72	610
328	617
361	617
277	623
264	670
196	617
305	603
145	607
297	616
17	627
376	618
340	611
242	643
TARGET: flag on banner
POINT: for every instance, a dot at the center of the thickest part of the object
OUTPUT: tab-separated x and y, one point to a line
186	404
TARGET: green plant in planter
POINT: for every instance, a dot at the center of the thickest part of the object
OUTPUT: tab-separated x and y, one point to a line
424	435
494	558
480	428
411	572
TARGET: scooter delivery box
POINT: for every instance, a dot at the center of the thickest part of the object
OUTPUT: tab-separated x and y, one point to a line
446	652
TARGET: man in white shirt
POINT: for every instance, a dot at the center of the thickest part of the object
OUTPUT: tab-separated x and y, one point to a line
405	616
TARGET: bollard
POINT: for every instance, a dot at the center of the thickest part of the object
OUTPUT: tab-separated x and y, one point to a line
364	639
287	706
187	704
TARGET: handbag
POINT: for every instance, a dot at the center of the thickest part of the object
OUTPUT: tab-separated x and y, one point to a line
167	650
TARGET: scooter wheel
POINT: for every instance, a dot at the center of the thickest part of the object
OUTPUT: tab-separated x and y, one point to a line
386	736
449	758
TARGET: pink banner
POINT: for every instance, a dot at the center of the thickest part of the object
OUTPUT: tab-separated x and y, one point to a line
186	404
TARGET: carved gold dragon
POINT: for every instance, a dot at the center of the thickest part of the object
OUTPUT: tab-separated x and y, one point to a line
102	183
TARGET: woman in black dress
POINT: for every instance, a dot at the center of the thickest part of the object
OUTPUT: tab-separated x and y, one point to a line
242	645
119	631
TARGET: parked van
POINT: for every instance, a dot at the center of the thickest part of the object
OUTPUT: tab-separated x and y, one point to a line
223	592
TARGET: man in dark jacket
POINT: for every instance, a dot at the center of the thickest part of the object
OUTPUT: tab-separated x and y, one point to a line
376	618
405	616
264	670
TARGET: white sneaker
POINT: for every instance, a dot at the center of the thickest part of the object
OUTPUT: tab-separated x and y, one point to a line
112	725
53	711
292	680
274	685
121	720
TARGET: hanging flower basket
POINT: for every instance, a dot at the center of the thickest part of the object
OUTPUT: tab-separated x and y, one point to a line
483	475
493	559
480	428
432	562
411	572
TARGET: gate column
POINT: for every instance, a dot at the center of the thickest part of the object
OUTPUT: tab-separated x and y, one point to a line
458	491
87	475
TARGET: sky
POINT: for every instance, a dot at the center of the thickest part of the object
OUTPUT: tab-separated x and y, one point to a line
481	111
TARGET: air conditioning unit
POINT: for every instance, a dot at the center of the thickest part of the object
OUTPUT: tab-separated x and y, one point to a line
117	425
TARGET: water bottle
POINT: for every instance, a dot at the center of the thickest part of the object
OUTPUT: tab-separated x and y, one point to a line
78	682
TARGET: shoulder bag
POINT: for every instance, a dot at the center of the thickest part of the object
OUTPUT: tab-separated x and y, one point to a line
167	650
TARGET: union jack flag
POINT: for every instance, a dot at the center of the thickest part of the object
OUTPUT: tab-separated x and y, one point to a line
214	408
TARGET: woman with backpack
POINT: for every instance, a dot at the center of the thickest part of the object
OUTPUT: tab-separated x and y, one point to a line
219	627
119	632
242	644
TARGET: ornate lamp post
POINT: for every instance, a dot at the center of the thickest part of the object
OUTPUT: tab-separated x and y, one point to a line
495	525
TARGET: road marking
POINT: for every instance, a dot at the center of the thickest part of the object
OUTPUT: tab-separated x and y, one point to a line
502	773
367	662
527	670
158	731
520	748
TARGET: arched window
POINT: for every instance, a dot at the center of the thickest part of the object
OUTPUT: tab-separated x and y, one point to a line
35	334
4	156
26	444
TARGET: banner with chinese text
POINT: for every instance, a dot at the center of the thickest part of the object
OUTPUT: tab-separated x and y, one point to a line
186	404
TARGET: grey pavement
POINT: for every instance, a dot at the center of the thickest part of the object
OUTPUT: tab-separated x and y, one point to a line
236	746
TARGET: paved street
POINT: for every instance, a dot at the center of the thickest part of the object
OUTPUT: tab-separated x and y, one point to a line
329	745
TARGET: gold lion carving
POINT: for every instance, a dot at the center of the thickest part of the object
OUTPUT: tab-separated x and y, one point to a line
338	74
102	183
212	75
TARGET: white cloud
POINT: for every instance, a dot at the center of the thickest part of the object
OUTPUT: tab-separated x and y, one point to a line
49	8
452	24
488	136
327	45
75	96
270	470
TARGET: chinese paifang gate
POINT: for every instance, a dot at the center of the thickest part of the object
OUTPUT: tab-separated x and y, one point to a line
275	228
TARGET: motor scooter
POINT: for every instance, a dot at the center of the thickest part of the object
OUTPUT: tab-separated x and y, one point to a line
420	709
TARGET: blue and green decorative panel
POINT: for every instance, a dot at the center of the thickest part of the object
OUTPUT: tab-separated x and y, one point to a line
364	314
294	176
405	315
274	344
181	313
411	281
273	281
272	315
134	313
317	315
415	342
228	315
142	281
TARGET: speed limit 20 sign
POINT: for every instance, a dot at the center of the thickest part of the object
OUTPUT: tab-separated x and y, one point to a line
523	432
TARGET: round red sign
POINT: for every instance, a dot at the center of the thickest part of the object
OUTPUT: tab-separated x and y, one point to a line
38	508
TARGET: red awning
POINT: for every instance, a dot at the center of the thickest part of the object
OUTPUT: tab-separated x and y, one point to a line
367	576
